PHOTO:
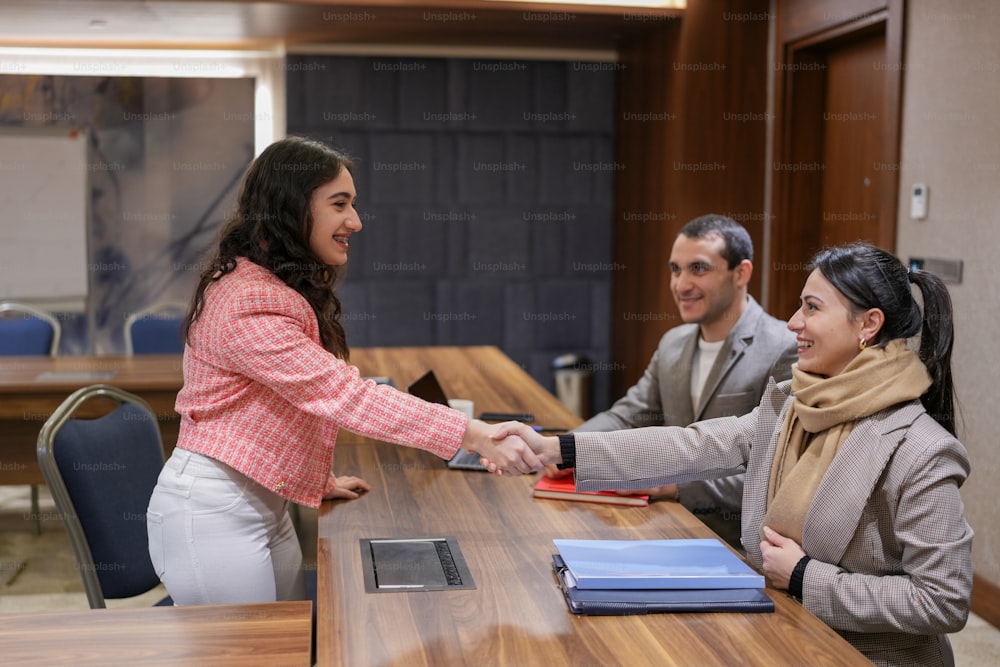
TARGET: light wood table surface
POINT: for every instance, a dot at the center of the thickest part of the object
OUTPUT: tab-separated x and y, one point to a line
516	614
243	635
31	388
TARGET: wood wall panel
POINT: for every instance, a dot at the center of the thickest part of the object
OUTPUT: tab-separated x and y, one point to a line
642	226
706	75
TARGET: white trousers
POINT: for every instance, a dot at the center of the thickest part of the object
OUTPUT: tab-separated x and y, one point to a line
217	537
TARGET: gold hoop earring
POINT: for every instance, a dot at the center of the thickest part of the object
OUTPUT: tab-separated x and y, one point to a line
862	344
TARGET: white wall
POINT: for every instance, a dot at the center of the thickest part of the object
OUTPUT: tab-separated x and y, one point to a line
951	142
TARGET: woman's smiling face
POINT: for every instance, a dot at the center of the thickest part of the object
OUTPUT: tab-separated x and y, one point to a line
334	219
826	328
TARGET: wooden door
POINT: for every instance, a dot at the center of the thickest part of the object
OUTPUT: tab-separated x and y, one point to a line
836	160
853	179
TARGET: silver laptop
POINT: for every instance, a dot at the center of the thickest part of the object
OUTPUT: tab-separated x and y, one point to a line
428	388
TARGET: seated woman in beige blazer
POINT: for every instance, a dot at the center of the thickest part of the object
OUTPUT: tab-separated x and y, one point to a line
852	467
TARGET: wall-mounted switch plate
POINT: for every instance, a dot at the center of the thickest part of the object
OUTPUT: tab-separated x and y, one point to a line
948	270
918	201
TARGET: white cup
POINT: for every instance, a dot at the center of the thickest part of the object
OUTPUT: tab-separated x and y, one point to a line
463	405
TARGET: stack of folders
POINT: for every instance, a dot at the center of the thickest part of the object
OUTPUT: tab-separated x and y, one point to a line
621	577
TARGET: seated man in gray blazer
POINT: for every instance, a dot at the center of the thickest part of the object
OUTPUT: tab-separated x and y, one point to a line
716	364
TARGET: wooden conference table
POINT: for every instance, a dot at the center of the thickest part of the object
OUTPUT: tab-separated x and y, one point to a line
515	615
240	635
31	388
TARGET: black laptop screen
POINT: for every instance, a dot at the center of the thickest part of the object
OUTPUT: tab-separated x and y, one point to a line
428	388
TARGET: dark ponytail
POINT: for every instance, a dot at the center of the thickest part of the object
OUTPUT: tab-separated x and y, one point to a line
937	338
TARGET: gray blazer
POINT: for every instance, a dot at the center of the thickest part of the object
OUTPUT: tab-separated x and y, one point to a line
758	348
892	552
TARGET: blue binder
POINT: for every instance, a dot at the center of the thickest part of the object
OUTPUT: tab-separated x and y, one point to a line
606	602
640	564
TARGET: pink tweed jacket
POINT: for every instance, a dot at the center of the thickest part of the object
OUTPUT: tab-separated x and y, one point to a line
263	396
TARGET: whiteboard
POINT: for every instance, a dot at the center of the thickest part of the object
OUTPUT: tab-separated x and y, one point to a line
43	215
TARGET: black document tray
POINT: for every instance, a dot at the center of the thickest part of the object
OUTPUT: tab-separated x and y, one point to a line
396	565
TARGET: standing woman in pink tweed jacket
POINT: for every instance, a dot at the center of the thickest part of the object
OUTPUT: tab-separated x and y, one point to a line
267	385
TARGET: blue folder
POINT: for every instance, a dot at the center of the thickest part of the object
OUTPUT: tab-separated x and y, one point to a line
640	564
606	602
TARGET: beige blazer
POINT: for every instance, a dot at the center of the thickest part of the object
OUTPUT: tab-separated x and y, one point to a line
892	552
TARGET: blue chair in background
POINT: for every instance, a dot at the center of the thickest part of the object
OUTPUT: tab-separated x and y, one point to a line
102	472
26	330
155	330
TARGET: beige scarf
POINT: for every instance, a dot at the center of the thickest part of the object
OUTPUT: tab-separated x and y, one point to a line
821	417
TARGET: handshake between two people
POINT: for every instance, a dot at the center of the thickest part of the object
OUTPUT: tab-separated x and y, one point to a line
511	448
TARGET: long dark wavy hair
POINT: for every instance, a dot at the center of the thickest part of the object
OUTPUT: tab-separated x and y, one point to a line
271	226
870	277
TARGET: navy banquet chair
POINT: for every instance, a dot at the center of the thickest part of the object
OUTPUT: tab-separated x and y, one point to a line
155	330
101	472
27	330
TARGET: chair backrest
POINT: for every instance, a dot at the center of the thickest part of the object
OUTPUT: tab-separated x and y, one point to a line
156	330
101	473
27	330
